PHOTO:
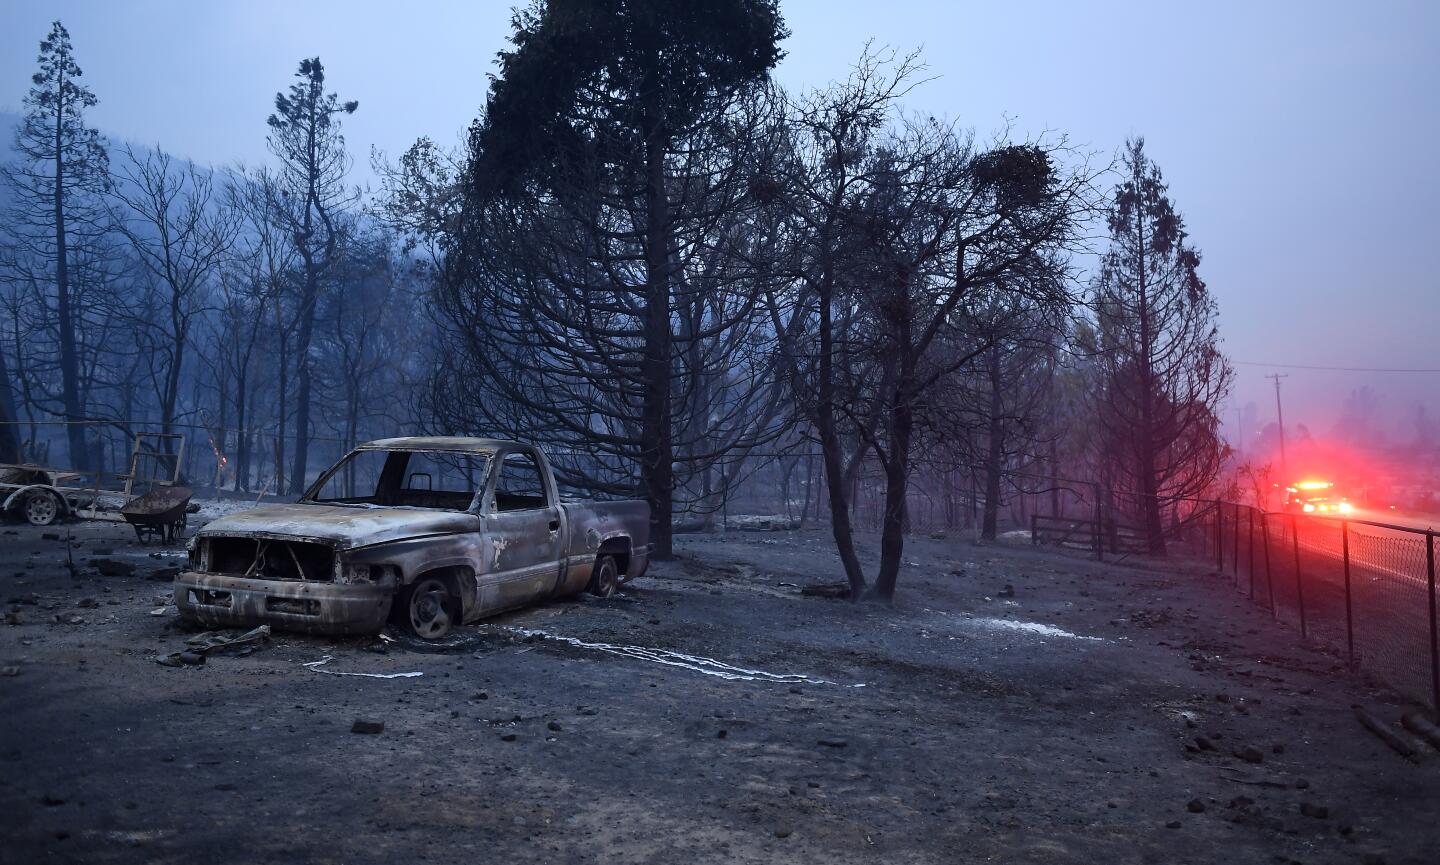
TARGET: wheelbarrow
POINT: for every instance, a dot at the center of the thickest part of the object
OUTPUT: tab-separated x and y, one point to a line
159	513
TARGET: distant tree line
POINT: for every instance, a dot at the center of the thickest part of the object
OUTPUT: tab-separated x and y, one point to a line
649	258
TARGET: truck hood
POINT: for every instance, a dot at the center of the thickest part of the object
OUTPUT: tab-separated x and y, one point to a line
345	527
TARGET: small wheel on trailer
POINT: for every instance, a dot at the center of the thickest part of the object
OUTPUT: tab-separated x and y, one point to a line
42	507
426	609
606	578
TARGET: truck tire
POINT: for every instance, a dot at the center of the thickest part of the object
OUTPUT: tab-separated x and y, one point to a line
41	508
606	578
426	609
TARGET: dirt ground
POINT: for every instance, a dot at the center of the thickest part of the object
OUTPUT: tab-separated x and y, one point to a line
1017	706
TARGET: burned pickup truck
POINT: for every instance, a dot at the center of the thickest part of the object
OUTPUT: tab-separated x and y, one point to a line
430	532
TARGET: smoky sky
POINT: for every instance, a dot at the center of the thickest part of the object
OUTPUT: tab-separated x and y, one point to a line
1298	138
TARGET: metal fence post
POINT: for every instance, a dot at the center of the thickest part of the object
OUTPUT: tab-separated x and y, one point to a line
1299	583
1250	552
1434	645
1235	545
1219	537
1269	574
1349	615
1099	528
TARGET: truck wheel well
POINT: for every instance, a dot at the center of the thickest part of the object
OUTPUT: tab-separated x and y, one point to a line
619	550
459	580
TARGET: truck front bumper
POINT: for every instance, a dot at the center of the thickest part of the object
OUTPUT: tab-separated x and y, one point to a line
217	600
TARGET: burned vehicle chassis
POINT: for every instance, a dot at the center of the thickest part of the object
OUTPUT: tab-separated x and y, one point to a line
349	566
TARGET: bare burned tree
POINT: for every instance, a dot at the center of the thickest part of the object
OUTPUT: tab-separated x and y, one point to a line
305	137
178	238
899	226
250	326
56	186
1008	394
1164	375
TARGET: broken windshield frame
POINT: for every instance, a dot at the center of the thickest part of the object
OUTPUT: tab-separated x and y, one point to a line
402	478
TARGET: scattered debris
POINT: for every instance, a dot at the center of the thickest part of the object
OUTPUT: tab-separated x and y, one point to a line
833	742
113	567
1251	754
1195	806
165	574
1422	727
316	666
1310	809
368	727
216	643
9	671
1387	734
181	659
761	523
1239	777
826	590
1007	592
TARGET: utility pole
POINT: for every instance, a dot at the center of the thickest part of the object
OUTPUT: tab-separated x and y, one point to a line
1280	416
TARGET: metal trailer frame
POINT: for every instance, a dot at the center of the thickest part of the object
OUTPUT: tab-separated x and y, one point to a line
65	496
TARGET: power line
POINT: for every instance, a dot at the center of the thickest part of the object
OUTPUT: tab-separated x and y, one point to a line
1333	368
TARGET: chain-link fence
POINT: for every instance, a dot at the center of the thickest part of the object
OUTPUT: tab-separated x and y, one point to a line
1361	586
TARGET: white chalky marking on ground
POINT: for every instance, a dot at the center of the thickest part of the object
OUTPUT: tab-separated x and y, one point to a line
1032	628
695	663
316	665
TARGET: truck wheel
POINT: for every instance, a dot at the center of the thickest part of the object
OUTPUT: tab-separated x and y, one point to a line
425	609
41	508
606	578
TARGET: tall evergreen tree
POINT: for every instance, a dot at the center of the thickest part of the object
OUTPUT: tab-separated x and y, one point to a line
1163	373
609	89
305	136
56	187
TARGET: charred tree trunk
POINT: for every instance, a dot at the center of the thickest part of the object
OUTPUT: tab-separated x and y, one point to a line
897	463
835	480
995	452
1149	491
69	359
656	462
303	336
9	420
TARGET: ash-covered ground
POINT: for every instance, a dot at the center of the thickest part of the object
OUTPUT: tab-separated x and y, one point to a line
1014	705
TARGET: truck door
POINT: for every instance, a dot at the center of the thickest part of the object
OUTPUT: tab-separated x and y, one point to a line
522	529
